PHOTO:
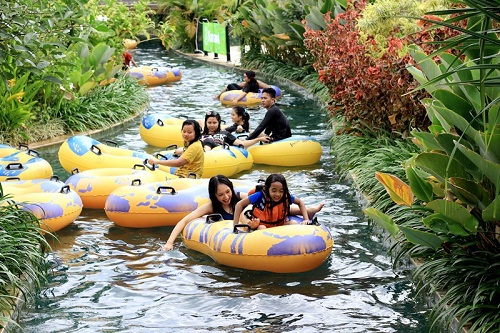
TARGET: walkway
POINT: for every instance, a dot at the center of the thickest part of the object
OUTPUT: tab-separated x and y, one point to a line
235	56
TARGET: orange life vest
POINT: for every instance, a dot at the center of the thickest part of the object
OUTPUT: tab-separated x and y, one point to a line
273	217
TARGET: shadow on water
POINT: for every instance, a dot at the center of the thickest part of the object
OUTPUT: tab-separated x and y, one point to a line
107	278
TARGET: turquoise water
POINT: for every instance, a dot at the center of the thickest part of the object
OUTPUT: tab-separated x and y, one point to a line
107	278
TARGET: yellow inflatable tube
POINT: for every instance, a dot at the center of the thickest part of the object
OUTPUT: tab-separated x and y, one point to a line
153	76
293	151
84	153
160	203
52	201
130	44
160	131
94	186
285	249
153	205
227	97
225	160
22	164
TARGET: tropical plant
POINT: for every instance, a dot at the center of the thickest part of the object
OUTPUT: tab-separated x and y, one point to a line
385	18
455	179
103	107
112	22
167	35
35	35
187	15
367	91
275	27
60	44
16	102
23	264
91	66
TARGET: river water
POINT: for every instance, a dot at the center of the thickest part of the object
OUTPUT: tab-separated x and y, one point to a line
107	278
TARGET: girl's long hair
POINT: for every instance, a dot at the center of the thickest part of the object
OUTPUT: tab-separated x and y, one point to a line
213	183
197	129
240	111
211	114
285	200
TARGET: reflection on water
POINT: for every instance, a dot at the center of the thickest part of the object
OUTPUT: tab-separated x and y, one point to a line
112	279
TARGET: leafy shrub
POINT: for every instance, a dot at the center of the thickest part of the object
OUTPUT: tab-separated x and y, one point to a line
365	89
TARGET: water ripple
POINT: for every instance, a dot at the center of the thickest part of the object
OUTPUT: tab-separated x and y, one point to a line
112	279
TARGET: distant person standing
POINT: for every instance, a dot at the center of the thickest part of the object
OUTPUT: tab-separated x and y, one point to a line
275	123
127	59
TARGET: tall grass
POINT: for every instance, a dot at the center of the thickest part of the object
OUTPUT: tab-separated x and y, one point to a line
104	106
23	264
100	108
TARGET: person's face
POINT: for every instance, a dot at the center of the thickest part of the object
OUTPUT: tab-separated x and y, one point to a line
188	133
235	118
245	78
212	124
276	191
266	100
224	194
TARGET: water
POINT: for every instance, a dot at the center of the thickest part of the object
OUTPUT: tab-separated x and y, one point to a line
111	279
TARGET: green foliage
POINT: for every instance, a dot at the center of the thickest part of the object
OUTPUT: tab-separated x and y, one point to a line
91	66
367	91
68	49
111	21
186	15
35	34
385	18
460	161
23	264
166	33
16	99
102	107
275	27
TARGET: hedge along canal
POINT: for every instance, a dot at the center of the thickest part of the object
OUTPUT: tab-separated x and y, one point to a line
112	279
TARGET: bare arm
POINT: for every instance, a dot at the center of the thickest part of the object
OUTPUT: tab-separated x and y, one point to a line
263	85
170	163
240	205
248	143
198	212
303	209
240	97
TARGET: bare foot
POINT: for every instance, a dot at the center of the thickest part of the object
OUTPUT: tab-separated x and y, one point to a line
319	207
312	210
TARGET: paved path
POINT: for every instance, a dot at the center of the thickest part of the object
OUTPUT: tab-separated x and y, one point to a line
235	56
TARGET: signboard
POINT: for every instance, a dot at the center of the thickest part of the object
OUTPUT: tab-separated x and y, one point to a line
214	38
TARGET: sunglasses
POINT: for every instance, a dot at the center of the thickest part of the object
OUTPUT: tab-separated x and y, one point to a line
211	113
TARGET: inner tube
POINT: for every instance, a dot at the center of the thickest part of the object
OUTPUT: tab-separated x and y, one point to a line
22	164
251	99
